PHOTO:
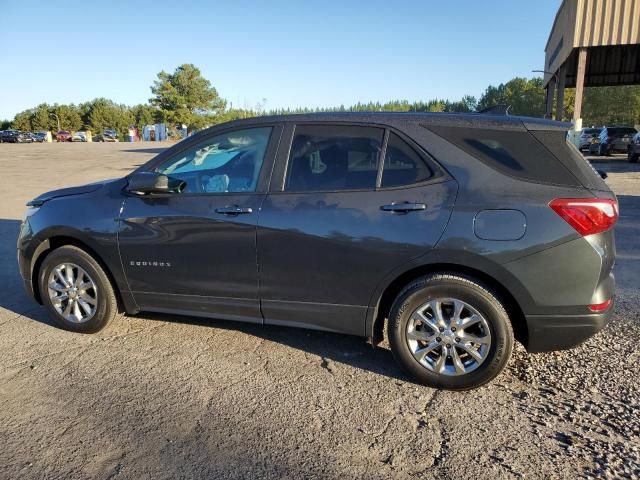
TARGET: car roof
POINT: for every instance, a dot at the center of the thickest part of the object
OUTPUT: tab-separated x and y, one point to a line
472	120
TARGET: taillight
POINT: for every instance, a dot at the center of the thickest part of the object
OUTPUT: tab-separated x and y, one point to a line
587	215
600	307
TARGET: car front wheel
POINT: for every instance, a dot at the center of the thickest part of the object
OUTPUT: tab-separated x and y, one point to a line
76	291
449	331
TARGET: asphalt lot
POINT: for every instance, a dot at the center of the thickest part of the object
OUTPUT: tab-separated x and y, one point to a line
164	397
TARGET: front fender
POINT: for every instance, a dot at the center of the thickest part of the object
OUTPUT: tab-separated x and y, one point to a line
90	221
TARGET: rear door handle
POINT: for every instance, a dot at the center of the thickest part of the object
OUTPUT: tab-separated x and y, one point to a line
403	207
234	210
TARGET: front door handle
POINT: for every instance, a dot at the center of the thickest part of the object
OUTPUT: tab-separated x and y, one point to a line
403	207
234	210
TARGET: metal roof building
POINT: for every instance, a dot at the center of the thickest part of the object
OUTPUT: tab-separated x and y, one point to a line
592	43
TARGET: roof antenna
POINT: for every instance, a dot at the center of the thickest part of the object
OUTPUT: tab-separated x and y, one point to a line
500	109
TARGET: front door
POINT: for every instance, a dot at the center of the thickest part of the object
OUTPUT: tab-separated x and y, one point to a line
195	252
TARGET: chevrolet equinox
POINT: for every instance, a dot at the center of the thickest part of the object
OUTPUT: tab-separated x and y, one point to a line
459	232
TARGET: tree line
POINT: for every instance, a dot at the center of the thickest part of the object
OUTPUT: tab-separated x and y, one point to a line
185	97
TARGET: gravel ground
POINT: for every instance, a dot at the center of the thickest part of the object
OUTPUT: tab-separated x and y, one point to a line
163	396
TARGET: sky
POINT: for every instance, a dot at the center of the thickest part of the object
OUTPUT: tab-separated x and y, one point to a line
284	53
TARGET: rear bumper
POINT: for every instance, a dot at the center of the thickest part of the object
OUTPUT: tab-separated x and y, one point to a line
547	333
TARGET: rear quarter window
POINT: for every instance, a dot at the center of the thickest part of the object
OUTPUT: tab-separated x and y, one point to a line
403	165
512	152
557	144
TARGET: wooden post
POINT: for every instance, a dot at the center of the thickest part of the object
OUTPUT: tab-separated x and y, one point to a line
582	68
562	74
551	91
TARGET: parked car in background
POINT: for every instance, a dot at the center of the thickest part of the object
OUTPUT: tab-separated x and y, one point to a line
63	136
25	137
615	140
15	136
633	153
588	136
108	135
346	222
40	137
79	137
8	136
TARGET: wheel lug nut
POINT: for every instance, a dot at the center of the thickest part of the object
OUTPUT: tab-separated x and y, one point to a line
438	339
442	329
453	329
457	339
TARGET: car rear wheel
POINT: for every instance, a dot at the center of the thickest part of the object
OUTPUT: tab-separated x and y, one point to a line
633	157
76	291
449	331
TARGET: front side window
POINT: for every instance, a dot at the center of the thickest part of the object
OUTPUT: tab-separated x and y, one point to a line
403	165
333	157
226	163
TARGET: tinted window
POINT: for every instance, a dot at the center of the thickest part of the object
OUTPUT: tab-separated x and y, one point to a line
621	132
330	157
402	164
512	152
229	162
568	154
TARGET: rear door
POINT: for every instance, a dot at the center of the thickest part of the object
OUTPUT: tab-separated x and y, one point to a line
195	251
335	222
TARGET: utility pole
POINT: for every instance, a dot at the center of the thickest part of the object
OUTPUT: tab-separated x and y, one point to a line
550	90
57	118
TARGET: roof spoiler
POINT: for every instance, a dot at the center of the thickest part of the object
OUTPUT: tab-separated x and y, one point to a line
500	109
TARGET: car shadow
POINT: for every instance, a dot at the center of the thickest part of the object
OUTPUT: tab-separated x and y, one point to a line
329	347
350	350
13	296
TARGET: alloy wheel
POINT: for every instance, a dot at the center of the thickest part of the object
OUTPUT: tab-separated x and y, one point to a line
72	292
448	336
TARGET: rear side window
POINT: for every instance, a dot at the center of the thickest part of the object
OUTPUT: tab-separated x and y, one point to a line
564	151
403	165
512	152
333	157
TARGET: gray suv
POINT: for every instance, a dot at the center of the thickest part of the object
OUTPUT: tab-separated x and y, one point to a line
458	233
615	140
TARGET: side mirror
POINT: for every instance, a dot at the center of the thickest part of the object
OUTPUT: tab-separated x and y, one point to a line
143	183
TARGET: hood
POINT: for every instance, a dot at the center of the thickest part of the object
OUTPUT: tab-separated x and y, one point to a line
66	192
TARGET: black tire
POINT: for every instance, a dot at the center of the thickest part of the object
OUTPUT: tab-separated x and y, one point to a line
633	157
470	291
106	305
